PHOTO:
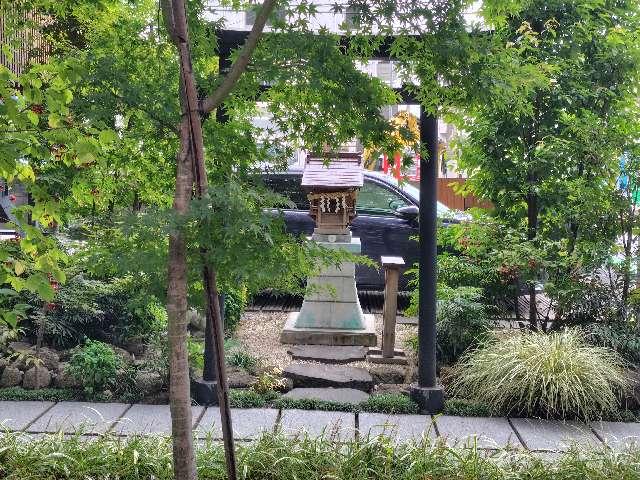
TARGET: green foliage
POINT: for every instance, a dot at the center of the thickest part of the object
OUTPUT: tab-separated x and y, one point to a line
235	302
548	160
269	381
464	407
196	354
313	404
555	375
463	321
243	359
40	395
278	457
247	398
393	403
623	337
95	365
125	386
114	310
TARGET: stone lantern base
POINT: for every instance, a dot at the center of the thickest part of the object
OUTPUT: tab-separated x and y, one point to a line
331	313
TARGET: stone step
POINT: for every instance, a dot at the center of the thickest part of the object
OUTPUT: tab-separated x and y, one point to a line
337	376
340	395
328	354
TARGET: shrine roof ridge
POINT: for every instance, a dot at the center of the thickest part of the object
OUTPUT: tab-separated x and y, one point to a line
336	170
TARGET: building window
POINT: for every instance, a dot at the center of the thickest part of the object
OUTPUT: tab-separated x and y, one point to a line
250	16
352	17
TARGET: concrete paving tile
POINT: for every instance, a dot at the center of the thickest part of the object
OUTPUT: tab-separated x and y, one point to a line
149	420
553	435
85	417
488	432
247	424
400	428
55	437
340	426
17	415
618	435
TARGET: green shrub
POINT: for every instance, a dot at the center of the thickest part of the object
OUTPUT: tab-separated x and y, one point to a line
463	322
245	398
390	403
196	354
466	408
41	394
549	375
621	336
83	308
235	302
269	381
126	388
96	366
243	359
313	404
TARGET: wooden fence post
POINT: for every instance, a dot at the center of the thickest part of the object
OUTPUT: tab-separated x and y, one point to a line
388	353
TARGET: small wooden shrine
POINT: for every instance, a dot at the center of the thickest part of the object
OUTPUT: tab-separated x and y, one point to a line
331	313
333	185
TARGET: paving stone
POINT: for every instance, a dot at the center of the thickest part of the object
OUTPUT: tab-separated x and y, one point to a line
335	425
328	354
553	435
150	419
400	428
85	417
338	376
488	432
17	415
55	437
247	424
342	395
618	435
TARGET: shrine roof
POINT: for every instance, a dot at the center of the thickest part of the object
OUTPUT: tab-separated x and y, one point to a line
338	171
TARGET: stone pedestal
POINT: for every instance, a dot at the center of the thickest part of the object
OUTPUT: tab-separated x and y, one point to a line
331	313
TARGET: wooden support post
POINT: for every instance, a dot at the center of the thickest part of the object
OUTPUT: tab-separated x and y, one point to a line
388	353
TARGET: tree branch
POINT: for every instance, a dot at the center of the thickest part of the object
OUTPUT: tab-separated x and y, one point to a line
240	65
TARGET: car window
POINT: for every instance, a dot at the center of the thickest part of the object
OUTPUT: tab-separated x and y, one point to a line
288	186
378	200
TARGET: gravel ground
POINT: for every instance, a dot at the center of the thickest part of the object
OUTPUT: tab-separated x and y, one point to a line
259	333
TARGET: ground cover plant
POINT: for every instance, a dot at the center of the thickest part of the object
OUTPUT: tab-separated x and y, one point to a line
276	457
557	375
41	394
95	366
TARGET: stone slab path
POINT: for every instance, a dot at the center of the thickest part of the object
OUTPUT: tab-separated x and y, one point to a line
91	419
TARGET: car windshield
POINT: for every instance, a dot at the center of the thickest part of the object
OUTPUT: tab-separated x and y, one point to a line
414	193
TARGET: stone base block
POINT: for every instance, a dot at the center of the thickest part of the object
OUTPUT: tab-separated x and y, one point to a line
375	356
331	315
204	392
329	336
430	399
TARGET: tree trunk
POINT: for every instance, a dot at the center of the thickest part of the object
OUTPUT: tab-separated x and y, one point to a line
532	231
179	389
191	167
628	259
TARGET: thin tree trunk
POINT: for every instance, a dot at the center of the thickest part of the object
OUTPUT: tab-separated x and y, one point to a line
179	389
532	231
191	141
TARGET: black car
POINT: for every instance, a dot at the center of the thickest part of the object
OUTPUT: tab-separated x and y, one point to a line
387	219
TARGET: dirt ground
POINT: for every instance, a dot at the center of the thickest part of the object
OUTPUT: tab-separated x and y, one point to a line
259	333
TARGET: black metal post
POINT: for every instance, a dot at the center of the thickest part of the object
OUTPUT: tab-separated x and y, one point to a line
205	391
426	392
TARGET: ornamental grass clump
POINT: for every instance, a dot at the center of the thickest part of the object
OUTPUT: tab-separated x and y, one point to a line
556	375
